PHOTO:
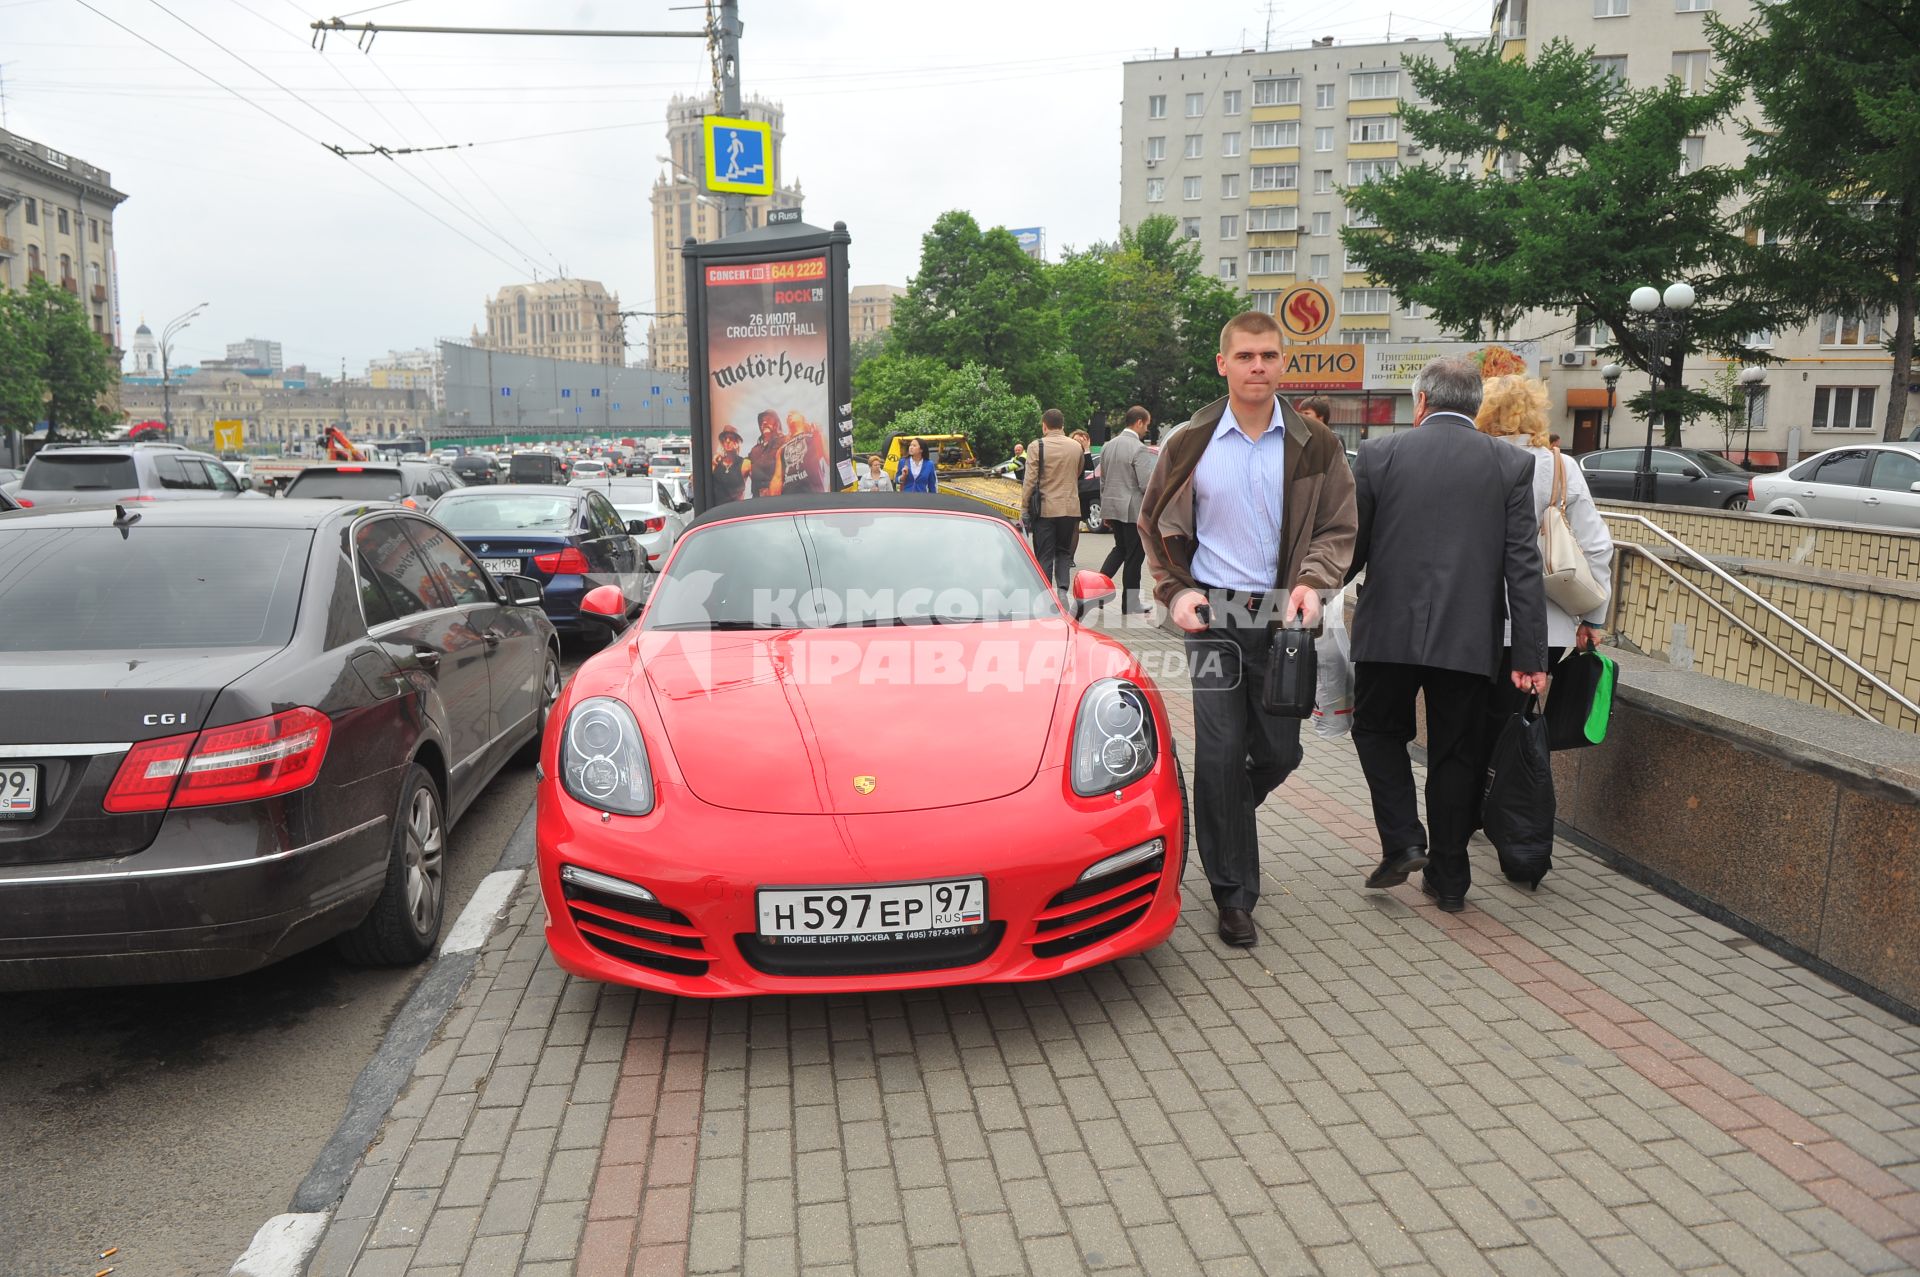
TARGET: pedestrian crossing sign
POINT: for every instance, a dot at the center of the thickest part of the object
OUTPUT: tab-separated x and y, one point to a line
739	156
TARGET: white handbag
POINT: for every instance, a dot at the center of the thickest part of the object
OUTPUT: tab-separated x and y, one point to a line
1569	579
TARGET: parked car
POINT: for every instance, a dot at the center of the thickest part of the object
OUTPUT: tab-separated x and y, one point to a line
247	729
1856	483
1681	476
412	483
6	502
570	540
536	467
476	468
103	474
739	802
653	505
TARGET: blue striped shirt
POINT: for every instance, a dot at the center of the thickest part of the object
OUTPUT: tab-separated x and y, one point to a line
1237	502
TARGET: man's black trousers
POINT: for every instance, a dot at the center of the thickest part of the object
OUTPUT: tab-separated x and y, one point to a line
1126	556
1053	542
1383	726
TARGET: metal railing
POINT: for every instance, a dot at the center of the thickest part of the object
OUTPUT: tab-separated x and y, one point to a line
1714	570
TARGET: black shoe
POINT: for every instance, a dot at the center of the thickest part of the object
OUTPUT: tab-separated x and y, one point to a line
1236	928
1448	904
1393	870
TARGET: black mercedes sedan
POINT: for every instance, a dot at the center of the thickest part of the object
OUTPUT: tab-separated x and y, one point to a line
230	731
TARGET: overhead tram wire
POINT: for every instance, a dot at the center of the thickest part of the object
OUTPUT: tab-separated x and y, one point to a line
525	256
288	124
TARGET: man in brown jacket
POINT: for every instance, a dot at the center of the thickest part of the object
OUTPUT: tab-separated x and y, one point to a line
1248	519
1053	464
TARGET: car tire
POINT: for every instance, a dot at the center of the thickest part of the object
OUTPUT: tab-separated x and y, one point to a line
1092	517
549	693
404	923
1735	502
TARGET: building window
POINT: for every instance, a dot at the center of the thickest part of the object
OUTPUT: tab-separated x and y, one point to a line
33	259
1229	186
1843	408
1276	92
63	221
1614	66
1366	301
1361	218
1323	181
1230	226
1190	188
1591	333
1373	84
1196	105
1157	107
1690	68
1229	268
1262	301
1276	177
66	268
1323	138
1693	152
1319	265
1364	336
1322	224
1230	100
1270	261
1190	227
93	229
33	211
1276	217
1156	189
1156	149
1276	133
1759	338
1374	128
1851	330
1609	8
1692	6
1229	144
1360	172
1323	96
1195	148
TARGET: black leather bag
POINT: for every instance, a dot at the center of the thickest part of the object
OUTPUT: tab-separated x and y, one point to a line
1038	460
1292	680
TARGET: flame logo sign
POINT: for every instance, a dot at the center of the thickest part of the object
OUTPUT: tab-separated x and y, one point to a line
1304	313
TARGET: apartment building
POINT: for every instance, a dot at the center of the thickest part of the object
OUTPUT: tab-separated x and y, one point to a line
256	352
56	224
558	319
870	309
683	210
1829	383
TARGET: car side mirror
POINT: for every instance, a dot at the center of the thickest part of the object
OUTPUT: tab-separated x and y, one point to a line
1092	587
1693	475
636	527
1913	487
683	507
522	591
604	605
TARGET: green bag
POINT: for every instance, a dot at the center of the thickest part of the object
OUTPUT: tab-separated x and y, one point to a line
1580	703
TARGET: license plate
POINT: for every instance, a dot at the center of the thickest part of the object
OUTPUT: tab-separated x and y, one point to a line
900	911
19	791
502	567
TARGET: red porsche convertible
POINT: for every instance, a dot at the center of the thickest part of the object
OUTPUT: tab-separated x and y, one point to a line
855	743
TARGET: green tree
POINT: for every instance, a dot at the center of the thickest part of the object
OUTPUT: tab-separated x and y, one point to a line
978	298
1558	189
53	366
886	385
979	402
1834	158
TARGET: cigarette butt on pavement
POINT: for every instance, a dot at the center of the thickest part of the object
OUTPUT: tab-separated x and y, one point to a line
109	1252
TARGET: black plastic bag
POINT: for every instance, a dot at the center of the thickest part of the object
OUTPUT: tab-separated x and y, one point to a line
1518	807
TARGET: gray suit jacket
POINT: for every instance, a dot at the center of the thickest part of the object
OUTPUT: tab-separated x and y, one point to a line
1125	467
1446	518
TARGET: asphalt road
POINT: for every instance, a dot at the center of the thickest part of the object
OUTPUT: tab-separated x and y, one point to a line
172	1121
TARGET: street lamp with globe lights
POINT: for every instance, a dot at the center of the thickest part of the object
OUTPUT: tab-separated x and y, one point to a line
1611	375
1662	322
175	325
1751	380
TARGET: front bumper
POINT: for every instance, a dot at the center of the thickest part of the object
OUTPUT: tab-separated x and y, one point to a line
704	865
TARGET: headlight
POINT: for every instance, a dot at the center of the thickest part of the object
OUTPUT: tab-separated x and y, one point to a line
603	762
1113	738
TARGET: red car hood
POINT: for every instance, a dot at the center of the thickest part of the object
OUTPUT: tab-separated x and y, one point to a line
785	722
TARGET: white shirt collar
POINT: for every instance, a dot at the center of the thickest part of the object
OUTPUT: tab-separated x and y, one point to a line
1229	422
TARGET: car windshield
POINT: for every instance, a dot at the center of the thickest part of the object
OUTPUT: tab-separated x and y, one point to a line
353	484
848	568
96	473
1713	463
513	512
105	588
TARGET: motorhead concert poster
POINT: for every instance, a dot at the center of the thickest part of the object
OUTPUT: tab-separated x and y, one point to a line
768	393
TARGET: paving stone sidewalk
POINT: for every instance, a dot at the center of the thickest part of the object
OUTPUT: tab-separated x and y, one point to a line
1587	1079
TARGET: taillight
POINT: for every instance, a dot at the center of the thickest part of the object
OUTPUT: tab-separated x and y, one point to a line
655	525
1750	497
260	758
24	503
351	470
568	561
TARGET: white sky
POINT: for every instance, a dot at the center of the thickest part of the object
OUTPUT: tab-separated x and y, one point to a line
896	111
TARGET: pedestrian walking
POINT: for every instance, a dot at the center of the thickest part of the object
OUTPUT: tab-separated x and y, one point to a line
1446	521
1126	467
1248	518
1050	496
876	479
917	471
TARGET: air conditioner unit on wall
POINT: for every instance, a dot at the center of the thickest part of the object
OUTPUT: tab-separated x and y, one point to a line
1573	359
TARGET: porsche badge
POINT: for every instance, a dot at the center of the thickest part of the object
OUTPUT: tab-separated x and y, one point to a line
864	784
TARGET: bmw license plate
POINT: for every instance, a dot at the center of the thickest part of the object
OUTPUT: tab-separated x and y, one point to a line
900	911
19	791
502	567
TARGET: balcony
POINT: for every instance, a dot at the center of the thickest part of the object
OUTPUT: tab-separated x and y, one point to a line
36	273
71	284
6	246
1513	29
99	292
